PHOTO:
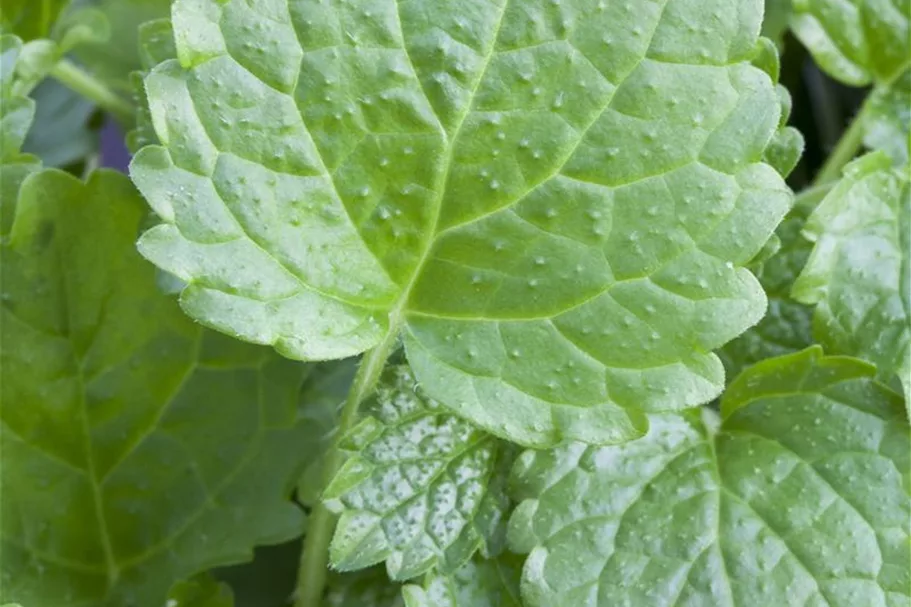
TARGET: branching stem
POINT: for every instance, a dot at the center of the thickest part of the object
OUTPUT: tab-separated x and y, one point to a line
311	577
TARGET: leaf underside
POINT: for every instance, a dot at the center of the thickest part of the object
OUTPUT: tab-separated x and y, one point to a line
553	201
800	497
137	447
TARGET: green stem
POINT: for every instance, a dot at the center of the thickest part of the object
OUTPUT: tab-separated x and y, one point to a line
810	198
847	148
311	576
71	75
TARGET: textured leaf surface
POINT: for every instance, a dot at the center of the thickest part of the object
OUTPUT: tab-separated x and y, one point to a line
367	588
799	498
322	399
156	44
856	41
555	200
888	124
421	488
787	325
480	583
859	274
138	449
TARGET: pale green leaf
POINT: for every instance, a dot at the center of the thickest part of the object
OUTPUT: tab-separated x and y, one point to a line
479	583
798	497
367	588
421	487
201	591
859	274
888	120
138	448
787	325
858	42
322	399
554	202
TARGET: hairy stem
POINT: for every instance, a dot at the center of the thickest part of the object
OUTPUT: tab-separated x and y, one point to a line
311	576
80	81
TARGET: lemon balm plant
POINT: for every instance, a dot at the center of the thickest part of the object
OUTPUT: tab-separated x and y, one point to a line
495	302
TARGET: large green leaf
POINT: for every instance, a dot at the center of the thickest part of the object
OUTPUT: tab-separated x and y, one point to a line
553	201
859	274
137	448
421	488
480	583
799	497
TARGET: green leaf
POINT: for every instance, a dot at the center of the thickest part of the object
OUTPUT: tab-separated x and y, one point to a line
480	583
137	447
787	325
421	487
857	42
554	202
858	273
201	591
156	44
322	399
30	19
61	135
367	588
16	114
799	497
888	119
775	22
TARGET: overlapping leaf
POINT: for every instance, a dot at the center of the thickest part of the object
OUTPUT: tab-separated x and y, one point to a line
201	591
422	488
367	588
554	201
800	497
137	448
859	274
30	19
480	583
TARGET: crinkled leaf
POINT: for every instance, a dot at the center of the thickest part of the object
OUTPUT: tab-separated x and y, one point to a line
322	399
367	588
30	19
800	497
156	44
421	488
138	448
554	201
787	325
201	591
859	274
888	120
479	583
858	41
61	135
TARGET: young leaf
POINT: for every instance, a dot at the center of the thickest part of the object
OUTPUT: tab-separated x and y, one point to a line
800	497
367	588
479	583
554	202
156	44
888	122
787	325
137	447
16	114
321	400
29	19
858	273
422	488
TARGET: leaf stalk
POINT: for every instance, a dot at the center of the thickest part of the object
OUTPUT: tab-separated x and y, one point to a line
80	81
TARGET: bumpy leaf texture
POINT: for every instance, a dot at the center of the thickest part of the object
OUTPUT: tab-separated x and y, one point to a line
888	124
480	583
800	497
138	448
422	487
554	201
859	274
